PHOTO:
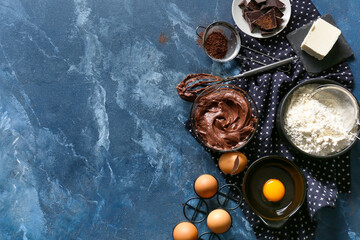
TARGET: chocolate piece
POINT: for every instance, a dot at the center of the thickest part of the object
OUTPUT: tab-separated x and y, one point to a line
224	119
253	12
252	5
273	3
267	21
278	12
280	4
267	32
269	3
279	21
251	17
254	15
242	4
251	25
244	11
265	7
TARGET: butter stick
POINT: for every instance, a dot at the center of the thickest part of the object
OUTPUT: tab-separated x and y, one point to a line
320	39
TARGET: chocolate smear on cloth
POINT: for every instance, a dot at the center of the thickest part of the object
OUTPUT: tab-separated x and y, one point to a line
224	119
267	21
194	84
325	179
216	45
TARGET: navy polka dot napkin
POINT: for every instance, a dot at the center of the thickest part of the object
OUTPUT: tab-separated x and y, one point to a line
325	179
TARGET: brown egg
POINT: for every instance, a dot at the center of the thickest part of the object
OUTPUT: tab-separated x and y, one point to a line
185	231
206	186
229	165
219	221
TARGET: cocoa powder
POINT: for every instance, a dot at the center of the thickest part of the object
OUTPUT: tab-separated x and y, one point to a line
162	38
216	45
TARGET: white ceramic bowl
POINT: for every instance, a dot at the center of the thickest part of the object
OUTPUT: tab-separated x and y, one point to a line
244	26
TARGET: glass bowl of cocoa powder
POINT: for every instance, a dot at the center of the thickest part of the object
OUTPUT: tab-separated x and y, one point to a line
220	41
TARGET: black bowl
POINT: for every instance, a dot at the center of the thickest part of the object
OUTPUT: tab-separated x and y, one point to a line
274	214
280	125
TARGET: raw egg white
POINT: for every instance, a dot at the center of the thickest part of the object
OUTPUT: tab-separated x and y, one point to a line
273	190
185	231
229	165
206	186
219	221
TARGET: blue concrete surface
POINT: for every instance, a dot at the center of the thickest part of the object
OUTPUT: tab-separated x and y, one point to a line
92	143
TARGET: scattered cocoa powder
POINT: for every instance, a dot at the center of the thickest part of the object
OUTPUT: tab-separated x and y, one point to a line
216	45
162	38
199	40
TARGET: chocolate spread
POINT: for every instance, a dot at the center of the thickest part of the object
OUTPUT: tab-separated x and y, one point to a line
224	119
193	84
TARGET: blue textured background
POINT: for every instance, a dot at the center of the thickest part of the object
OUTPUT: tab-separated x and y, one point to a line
92	143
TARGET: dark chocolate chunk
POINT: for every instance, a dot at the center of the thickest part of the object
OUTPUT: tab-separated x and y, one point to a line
251	17
242	4
252	5
267	32
244	11
251	25
270	3
280	4
279	21
273	3
267	21
260	1
278	12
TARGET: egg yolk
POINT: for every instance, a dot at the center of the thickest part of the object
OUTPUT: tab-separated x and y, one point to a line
274	190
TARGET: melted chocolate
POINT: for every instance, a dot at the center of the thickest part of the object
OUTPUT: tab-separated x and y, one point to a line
193	84
224	119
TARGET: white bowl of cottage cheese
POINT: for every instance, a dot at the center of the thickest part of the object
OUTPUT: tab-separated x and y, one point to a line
319	118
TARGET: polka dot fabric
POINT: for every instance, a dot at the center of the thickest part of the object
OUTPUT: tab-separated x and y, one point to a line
324	178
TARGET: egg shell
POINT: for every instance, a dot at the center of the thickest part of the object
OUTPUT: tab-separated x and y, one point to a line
185	231
206	186
227	162
219	221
